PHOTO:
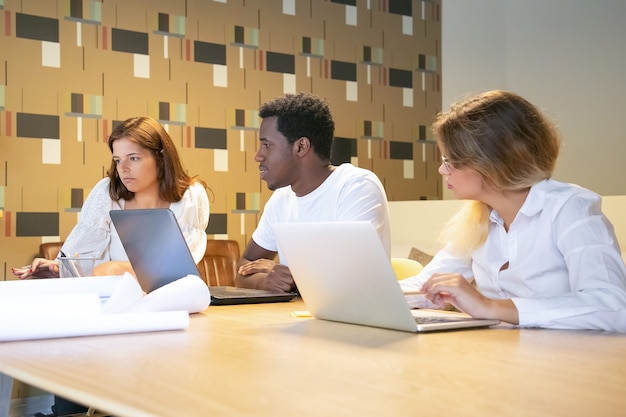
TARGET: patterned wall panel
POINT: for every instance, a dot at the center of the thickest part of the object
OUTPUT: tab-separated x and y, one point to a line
70	70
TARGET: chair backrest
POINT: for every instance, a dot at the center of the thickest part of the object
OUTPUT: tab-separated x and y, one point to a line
404	267
219	264
50	250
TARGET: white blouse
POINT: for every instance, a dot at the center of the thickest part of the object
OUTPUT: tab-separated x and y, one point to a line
565	268
94	234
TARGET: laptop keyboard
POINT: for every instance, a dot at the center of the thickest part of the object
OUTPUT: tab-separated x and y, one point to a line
430	320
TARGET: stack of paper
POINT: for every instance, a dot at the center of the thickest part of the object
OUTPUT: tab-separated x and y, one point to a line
67	307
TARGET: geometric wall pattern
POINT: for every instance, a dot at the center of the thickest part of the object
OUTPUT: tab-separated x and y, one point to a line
70	70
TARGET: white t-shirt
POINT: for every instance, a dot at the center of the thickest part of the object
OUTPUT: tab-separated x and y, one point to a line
348	194
94	234
565	268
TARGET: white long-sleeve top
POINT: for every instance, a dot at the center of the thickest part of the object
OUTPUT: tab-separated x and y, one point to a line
94	234
564	263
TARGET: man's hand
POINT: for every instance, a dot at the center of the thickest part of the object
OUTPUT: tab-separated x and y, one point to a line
260	265
271	276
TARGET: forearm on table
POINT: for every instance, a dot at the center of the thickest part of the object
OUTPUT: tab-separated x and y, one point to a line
113	268
504	310
250	281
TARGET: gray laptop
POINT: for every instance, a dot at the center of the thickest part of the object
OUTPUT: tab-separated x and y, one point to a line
157	250
344	274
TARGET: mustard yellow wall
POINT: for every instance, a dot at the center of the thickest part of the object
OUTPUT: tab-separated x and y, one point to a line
71	69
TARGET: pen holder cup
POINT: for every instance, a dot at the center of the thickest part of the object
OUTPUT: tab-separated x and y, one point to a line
70	267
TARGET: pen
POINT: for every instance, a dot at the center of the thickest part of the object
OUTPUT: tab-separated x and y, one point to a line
413	292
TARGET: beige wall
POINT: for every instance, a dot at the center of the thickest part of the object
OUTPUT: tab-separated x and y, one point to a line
566	56
204	66
418	223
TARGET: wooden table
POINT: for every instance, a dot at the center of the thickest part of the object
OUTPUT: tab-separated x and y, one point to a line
258	360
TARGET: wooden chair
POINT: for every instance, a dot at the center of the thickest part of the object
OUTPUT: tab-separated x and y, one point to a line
219	264
50	250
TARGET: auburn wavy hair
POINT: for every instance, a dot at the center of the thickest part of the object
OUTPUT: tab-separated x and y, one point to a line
150	134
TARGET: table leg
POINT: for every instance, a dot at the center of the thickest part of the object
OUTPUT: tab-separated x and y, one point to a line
6	387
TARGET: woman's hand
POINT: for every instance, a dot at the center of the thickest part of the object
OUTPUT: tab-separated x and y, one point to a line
39	268
442	289
113	268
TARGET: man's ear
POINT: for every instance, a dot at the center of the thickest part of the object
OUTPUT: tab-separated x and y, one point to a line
302	145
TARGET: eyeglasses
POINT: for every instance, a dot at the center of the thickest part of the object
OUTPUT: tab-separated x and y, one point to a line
446	164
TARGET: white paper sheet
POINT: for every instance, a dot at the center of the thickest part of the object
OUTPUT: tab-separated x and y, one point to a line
45	327
189	293
58	305
124	295
103	286
68	307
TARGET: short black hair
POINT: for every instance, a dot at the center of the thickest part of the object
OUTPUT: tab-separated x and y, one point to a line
303	115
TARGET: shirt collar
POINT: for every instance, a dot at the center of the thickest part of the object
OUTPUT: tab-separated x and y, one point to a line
535	201
533	204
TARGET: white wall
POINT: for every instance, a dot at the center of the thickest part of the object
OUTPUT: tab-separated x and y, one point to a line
566	56
417	224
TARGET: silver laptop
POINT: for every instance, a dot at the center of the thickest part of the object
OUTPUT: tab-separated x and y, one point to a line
344	274
158	253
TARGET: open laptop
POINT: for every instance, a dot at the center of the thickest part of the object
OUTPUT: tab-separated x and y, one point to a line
344	274
157	250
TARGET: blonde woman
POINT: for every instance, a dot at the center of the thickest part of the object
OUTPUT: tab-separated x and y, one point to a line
541	252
